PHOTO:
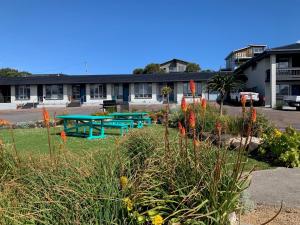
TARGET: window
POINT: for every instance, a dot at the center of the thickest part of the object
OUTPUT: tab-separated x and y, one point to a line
98	91
143	90
282	63
118	91
187	91
282	89
54	91
257	50
23	92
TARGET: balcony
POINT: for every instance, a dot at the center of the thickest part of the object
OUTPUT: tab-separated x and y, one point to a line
292	73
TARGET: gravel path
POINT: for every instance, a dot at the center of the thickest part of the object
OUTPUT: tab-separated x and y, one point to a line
270	187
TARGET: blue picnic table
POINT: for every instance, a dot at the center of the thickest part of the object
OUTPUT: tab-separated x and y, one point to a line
85	121
139	117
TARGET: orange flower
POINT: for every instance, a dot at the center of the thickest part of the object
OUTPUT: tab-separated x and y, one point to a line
183	105
182	131
203	103
218	127
63	136
243	100
193	87
192	120
4	123
46	116
253	115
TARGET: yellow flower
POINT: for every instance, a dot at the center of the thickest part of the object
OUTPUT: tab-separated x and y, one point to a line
128	204
157	220
277	133
123	182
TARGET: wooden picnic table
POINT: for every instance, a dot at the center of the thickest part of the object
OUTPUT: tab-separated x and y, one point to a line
85	121
137	116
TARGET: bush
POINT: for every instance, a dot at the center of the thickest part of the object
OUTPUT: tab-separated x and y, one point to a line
282	148
139	145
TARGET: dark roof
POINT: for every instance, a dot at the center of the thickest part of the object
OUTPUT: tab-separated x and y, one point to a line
286	49
90	79
175	61
295	46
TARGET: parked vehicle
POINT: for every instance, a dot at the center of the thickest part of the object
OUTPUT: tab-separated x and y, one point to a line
236	96
292	101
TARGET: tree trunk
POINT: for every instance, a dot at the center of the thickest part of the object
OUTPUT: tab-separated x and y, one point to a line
221	107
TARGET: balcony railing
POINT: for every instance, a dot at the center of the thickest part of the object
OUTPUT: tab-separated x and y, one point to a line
288	73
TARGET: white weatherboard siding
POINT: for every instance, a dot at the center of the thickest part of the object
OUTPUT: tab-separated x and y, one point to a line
257	76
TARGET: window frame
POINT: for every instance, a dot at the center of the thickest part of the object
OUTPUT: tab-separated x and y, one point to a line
141	90
60	92
25	95
118	87
187	92
95	91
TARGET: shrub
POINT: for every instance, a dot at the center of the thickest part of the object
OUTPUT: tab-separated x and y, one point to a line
282	148
139	145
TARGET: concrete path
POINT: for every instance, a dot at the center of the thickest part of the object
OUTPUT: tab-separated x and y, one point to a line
270	187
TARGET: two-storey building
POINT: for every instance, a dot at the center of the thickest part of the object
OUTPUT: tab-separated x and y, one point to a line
238	57
274	73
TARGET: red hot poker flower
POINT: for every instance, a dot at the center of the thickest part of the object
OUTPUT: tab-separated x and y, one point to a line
193	87
183	104
243	100
192	120
46	116
63	136
203	103
253	115
182	131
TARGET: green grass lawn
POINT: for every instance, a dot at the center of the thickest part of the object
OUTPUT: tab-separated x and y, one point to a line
34	142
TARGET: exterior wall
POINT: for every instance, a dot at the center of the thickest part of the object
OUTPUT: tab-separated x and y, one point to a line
57	102
90	101
142	101
257	76
273	80
33	95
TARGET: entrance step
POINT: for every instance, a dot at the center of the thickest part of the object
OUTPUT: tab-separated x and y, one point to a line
74	104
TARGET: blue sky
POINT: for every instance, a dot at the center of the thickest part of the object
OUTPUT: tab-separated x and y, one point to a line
116	36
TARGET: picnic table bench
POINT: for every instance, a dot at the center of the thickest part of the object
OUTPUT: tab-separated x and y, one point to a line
138	117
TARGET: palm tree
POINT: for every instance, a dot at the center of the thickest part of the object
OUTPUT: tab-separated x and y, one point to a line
223	84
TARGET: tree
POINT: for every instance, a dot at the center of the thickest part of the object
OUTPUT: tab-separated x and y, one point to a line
223	84
153	68
192	67
138	71
9	72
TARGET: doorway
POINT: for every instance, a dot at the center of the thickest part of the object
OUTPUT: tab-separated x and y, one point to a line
125	92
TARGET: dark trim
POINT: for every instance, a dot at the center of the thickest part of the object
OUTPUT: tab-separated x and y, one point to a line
104	79
174	61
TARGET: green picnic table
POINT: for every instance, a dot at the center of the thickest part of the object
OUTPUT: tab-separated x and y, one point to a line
85	121
139	117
